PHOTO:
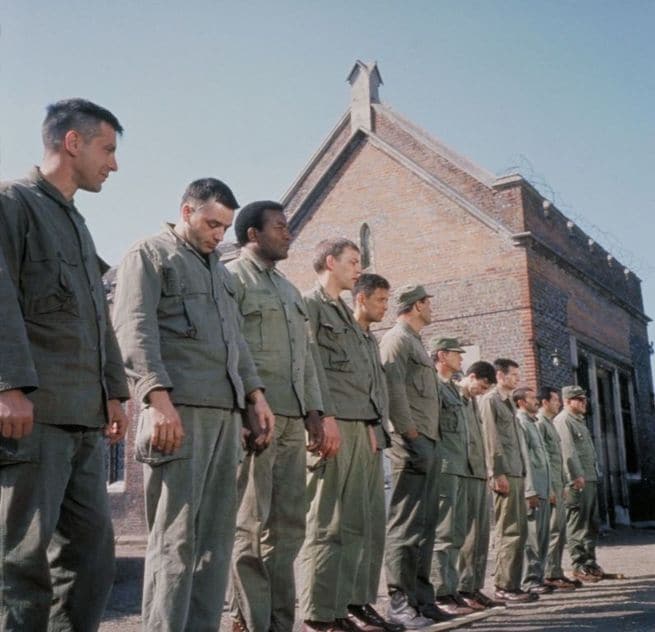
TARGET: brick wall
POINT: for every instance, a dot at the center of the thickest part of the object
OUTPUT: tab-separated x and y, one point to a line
478	277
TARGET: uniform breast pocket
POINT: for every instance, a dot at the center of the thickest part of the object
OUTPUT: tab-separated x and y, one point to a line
47	279
262	315
421	377
448	419
179	311
332	338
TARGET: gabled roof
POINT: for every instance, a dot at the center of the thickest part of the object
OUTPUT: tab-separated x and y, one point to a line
304	204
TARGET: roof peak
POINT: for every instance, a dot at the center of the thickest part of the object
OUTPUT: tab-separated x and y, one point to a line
364	79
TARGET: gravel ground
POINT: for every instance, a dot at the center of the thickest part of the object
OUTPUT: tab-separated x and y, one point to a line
610	606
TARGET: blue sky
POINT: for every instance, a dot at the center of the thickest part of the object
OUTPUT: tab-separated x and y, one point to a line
563	90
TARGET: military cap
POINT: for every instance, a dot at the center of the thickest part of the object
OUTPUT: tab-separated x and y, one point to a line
407	295
446	344
573	392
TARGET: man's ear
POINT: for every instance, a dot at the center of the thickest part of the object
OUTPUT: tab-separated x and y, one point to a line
252	234
186	211
72	142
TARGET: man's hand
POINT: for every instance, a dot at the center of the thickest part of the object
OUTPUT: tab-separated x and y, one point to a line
117	425
260	421
410	433
578	484
372	438
500	485
167	431
331	437
315	435
16	414
552	500
533	502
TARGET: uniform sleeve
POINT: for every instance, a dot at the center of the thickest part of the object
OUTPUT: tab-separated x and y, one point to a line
312	312
138	290
570	457
114	371
394	356
17	370
313	400
247	369
525	443
496	461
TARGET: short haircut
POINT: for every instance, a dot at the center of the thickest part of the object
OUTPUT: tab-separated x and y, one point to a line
74	114
504	365
252	216
521	394
334	247
483	371
368	283
206	189
545	393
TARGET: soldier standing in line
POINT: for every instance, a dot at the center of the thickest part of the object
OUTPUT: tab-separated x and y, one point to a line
453	448
178	327
473	554
550	405
538	493
415	461
370	301
505	448
338	488
61	383
271	483
581	493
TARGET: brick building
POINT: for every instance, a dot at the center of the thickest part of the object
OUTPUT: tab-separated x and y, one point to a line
512	276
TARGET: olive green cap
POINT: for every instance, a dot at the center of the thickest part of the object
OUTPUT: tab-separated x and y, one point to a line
573	392
446	344
407	295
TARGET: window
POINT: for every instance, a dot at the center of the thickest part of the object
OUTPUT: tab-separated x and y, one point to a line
365	246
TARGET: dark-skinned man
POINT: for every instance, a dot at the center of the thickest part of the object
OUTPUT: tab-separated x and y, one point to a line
61	383
337	488
191	370
271	483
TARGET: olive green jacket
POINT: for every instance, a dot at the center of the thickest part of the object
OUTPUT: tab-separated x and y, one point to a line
349	389
411	382
57	342
553	445
578	451
178	325
276	328
504	442
477	461
537	480
453	429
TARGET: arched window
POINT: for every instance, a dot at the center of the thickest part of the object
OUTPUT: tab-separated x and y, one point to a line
366	246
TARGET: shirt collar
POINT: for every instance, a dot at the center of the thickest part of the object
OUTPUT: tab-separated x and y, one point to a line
36	177
409	329
249	255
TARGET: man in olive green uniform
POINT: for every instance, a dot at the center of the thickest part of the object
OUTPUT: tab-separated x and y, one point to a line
60	368
537	484
337	488
415	462
453	447
371	299
507	463
581	493
473	553
271	484
550	405
178	327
